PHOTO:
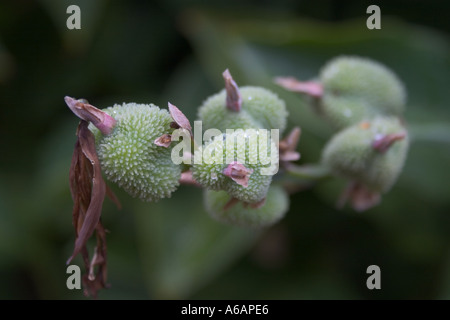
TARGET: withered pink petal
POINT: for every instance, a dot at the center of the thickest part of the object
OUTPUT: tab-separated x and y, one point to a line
164	141
383	143
187	178
258	204
289	156
234	98
238	172
100	119
312	88
363	201
288	145
231	203
360	197
179	117
293	138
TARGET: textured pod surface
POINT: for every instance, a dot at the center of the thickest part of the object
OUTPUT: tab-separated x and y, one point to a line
274	208
130	158
350	154
250	148
261	108
357	88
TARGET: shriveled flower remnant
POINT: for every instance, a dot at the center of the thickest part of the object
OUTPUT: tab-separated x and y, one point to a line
131	145
88	191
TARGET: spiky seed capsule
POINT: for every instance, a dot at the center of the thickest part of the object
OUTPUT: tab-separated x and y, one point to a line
240	214
129	156
250	148
355	89
261	108
351	153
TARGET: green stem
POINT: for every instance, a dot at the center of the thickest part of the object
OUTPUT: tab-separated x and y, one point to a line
296	178
308	172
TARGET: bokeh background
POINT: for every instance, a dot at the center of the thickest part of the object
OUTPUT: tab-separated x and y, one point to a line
159	51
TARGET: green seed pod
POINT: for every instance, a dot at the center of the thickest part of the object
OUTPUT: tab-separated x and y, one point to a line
241	163
356	89
260	108
371	153
265	107
240	214
129	156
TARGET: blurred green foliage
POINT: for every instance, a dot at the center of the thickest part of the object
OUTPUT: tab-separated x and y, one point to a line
175	51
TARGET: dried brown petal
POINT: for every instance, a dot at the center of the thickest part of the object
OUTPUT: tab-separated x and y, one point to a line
234	99
83	110
164	141
90	197
88	191
95	280
238	172
174	125
312	88
181	120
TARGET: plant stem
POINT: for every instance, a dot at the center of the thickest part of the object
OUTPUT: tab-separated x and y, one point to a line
308	172
296	178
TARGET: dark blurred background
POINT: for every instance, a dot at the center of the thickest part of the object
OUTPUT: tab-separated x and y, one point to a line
159	51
